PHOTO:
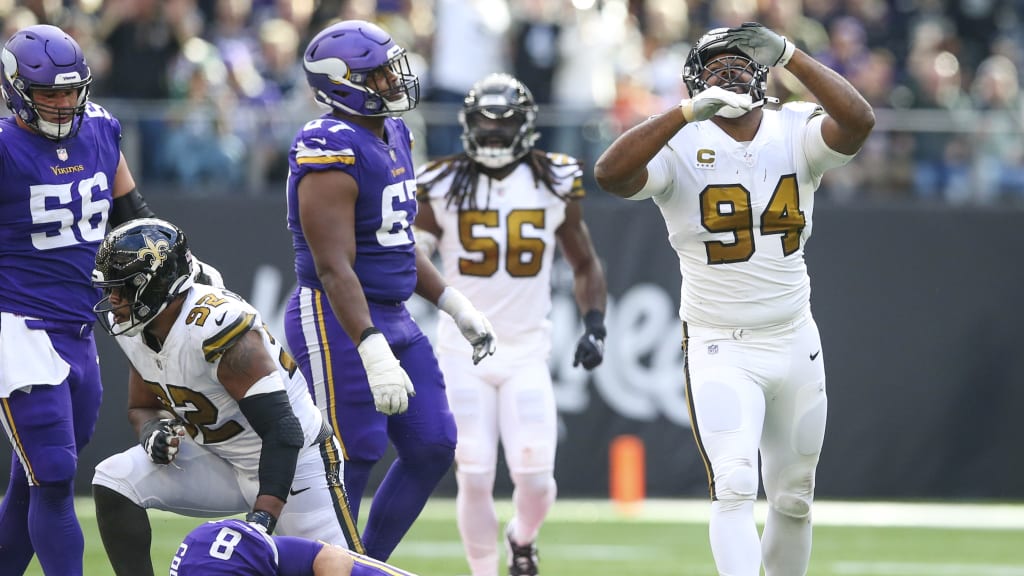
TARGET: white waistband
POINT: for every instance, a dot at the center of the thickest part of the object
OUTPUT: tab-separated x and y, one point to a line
775	330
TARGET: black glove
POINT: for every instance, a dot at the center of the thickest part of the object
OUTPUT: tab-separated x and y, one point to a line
262	519
590	348
160	438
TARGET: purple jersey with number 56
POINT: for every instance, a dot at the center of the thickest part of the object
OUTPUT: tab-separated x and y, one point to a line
384	211
54	201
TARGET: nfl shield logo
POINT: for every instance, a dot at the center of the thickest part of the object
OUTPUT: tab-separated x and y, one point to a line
62	154
713	349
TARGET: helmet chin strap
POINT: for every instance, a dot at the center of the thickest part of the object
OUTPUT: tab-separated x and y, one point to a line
53	129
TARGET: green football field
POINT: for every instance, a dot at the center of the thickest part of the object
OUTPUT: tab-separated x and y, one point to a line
669	537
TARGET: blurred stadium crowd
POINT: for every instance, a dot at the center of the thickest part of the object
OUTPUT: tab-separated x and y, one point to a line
211	92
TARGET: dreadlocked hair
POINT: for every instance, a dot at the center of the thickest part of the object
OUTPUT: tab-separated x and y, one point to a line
462	194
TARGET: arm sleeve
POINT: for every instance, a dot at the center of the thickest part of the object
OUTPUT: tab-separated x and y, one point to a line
296	555
659	176
819	156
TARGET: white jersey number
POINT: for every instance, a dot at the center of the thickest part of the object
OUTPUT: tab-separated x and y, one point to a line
394	224
92	224
726	209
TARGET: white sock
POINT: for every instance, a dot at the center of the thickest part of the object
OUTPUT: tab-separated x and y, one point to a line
734	541
532	498
478	522
786	544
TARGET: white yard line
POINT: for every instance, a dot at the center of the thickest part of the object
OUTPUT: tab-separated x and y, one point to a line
924	569
826	513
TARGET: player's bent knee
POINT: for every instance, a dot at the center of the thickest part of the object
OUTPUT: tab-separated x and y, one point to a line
114	473
55	468
793	505
737	483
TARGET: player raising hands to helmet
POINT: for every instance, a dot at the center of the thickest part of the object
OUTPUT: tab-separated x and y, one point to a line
735	183
495	214
225	422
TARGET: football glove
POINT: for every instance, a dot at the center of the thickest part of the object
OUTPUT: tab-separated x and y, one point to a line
389	384
760	44
590	348
160	438
262	520
206	274
475	327
710	101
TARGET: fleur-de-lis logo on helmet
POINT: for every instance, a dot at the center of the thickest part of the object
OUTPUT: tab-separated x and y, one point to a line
156	251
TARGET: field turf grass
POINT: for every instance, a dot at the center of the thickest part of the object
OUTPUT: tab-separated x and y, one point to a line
669	538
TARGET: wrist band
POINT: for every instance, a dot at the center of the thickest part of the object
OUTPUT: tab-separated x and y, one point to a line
368	332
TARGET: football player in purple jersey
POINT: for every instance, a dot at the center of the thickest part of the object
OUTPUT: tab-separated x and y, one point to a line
235	548
63	179
351	202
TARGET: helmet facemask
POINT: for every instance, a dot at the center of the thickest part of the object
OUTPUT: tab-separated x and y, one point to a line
498	121
711	63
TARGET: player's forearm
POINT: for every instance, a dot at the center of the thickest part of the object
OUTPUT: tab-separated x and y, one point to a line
622	168
429	282
138	417
835	94
590	287
348	301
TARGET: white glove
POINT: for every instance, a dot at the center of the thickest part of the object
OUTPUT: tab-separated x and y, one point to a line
760	44
711	100
389	384
206	274
471	322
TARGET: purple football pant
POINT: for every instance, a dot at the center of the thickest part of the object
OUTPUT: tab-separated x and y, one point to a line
48	427
423	437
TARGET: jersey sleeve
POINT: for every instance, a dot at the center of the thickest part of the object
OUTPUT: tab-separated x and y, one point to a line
816	154
568	172
325	144
99	114
220	318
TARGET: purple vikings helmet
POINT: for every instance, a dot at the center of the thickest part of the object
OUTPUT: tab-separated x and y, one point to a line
712	44
354	66
44	57
498	120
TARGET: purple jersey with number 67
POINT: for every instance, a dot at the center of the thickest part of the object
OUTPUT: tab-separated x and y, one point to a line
54	201
385	251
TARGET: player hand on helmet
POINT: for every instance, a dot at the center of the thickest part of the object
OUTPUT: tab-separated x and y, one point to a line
590	348
389	384
471	322
160	439
761	45
705	104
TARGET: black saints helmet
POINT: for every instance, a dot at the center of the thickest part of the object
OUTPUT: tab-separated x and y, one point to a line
144	264
728	69
498	120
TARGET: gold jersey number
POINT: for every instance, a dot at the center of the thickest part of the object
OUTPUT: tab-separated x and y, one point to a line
726	209
523	255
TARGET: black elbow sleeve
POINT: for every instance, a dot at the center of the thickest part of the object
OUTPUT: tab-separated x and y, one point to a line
271	416
129	207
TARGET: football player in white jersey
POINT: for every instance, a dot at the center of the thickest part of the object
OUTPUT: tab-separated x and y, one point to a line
225	422
495	214
735	183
